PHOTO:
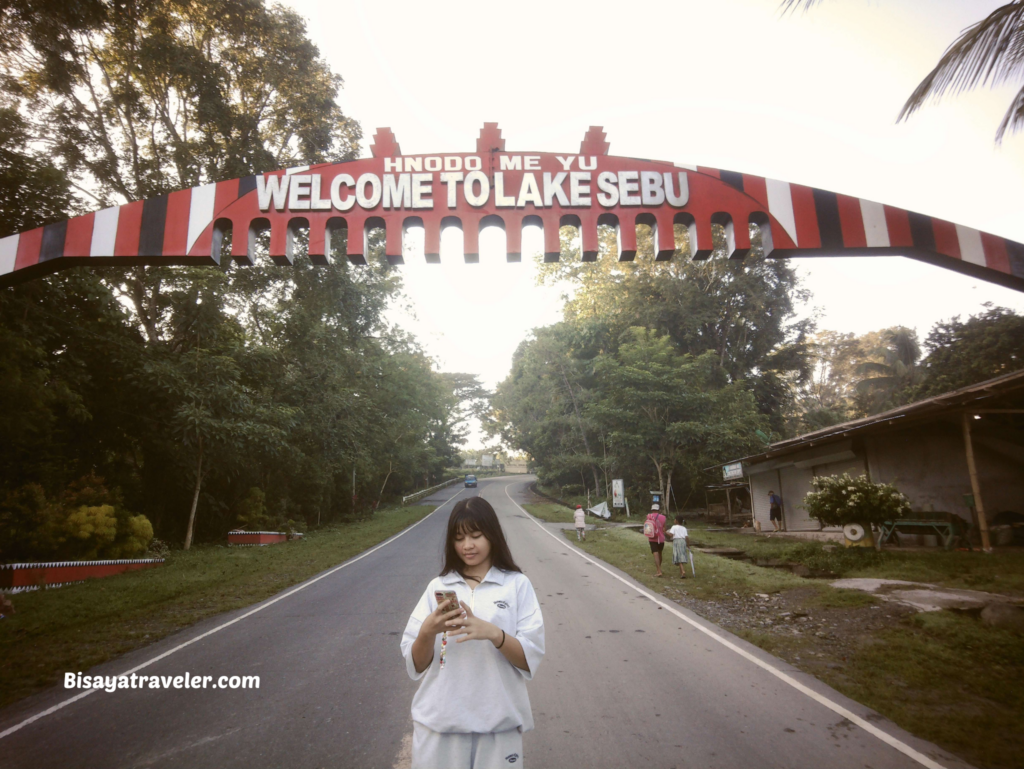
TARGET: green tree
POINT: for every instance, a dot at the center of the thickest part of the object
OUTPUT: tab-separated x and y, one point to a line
741	310
674	410
963	352
887	380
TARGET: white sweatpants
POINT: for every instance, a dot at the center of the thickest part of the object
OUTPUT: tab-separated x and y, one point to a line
434	750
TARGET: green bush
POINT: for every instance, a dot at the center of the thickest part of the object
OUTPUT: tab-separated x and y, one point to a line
841	499
88	521
91	529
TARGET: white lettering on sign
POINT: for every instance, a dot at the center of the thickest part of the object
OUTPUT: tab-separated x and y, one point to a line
683	197
316	202
371	200
397	191
651	192
553	189
422	190
340	203
271	189
628	186
452	180
608	184
474	197
529	192
406	190
501	200
298	192
579	193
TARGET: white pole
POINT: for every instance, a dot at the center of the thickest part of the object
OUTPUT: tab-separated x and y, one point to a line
626	500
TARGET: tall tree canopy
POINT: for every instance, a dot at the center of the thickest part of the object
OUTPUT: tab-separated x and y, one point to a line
659	369
141	97
202	398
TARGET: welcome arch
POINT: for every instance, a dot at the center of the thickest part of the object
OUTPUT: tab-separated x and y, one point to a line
511	190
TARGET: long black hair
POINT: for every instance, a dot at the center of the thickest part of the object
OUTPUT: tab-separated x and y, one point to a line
476	514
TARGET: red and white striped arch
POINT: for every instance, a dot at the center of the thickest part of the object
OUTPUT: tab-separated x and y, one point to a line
186	227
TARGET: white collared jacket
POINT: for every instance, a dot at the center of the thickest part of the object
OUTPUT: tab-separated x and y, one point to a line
478	690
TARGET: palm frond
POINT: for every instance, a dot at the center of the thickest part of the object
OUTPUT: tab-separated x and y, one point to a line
987	53
795	5
1014	117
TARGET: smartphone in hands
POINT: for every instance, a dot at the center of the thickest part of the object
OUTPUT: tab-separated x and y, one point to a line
447	595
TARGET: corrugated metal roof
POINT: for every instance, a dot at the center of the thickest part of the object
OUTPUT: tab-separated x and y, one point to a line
954	400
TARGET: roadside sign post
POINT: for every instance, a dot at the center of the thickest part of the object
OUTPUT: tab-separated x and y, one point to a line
618	493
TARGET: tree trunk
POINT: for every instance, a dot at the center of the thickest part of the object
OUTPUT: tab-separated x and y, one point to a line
379	496
195	497
583	432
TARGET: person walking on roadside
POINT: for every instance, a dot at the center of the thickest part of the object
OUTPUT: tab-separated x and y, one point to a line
473	651
775	510
680	544
654	530
581	523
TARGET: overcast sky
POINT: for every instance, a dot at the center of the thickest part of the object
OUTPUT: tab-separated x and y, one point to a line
809	98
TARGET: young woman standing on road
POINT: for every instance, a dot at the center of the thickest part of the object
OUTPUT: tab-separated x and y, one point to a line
474	659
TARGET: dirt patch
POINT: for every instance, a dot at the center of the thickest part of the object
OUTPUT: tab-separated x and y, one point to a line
796	619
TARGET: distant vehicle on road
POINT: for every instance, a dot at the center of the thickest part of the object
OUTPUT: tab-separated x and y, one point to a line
470	481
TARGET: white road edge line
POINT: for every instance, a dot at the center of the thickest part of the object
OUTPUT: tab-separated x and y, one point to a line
260	608
888	739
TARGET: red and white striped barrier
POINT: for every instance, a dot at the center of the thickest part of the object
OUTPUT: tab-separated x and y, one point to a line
18	577
241	538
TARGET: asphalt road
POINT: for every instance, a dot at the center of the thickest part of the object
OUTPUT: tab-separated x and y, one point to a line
629	679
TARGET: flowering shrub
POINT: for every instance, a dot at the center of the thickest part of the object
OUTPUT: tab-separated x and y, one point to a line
841	499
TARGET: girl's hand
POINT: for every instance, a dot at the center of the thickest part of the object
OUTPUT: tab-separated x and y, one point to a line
435	621
472	628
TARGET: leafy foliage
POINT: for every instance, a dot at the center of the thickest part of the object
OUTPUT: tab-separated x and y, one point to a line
658	370
186	388
841	499
963	352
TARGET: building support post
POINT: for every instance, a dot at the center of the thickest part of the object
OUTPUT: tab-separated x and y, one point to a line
972	468
728	506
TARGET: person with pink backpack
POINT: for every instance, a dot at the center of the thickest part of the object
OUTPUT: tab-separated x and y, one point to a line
654	530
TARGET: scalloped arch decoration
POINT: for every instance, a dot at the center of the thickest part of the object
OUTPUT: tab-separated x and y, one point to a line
494	185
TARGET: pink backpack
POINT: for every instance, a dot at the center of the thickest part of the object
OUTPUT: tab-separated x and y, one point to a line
651	526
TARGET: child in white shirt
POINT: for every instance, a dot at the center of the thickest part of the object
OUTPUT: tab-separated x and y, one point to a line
680	540
581	523
473	659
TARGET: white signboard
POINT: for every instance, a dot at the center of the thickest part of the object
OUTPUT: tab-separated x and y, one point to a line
618	493
486	460
732	472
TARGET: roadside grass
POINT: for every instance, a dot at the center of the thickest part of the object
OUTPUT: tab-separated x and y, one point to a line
993	572
552	512
628	550
75	627
947	678
941	675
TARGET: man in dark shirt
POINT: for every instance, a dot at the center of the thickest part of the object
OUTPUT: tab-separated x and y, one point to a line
775	510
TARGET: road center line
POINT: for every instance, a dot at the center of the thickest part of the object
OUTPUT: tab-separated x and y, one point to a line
217	629
821	699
